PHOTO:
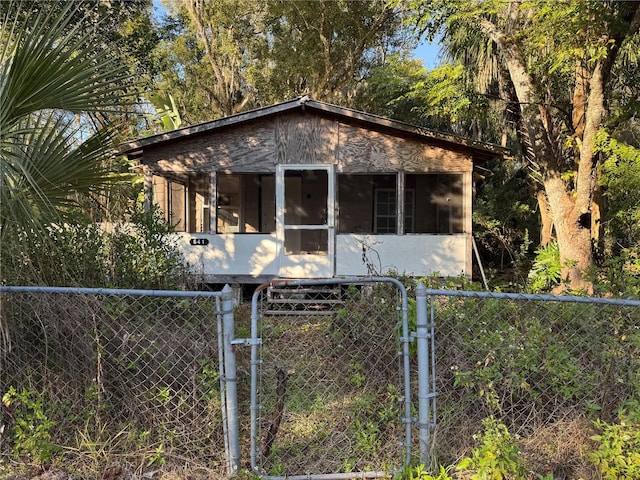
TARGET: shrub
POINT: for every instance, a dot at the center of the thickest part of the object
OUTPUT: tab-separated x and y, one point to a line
497	456
546	270
138	253
618	451
31	430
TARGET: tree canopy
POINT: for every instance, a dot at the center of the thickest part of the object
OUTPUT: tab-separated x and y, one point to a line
558	62
224	56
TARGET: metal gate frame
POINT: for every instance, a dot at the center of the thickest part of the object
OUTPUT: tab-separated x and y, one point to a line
424	339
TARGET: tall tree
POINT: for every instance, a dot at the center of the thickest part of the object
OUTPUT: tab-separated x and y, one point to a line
559	58
225	56
324	48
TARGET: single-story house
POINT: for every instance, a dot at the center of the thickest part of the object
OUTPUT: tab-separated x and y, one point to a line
306	189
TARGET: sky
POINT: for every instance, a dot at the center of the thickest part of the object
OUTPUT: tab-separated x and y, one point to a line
428	53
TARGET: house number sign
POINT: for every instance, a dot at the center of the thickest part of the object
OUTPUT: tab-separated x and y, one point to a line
199	241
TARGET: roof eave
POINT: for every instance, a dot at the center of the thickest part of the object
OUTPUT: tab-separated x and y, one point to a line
484	150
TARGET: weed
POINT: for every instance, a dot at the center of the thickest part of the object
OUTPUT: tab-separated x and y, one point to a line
367	435
496	458
618	452
419	472
32	428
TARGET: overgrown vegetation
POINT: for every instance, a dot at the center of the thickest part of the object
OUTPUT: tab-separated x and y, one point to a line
138	253
523	386
110	385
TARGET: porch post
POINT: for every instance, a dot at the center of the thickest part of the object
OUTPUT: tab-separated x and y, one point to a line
467	199
400	187
213	202
148	187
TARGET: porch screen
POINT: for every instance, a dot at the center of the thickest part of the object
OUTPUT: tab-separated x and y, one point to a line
438	203
246	203
184	200
433	203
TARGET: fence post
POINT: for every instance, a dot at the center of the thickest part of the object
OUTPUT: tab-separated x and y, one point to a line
422	340
233	455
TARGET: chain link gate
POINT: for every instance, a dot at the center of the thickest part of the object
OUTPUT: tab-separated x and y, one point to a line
330	379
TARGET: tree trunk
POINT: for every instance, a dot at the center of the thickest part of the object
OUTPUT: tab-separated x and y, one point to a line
567	210
573	235
546	219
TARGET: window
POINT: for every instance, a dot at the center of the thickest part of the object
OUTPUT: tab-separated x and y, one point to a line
356	201
246	203
184	199
385	214
433	203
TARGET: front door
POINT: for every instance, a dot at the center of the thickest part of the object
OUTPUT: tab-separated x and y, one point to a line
305	220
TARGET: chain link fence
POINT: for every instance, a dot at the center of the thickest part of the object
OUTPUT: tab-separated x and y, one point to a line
119	382
547	367
127	384
331	375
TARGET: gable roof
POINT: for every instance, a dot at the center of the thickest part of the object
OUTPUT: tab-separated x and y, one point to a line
483	150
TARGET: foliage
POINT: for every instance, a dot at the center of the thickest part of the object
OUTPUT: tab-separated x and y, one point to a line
546	270
621	274
505	223
31	432
621	180
496	457
138	253
167	110
222	57
419	472
54	72
517	361
571	83
142	252
385	91
445	101
325	48
618	447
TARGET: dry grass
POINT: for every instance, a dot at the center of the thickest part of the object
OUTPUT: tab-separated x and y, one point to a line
560	448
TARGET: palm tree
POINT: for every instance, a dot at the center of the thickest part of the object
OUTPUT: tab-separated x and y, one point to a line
56	78
58	84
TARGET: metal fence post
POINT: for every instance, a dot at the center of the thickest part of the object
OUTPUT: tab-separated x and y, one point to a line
233	455
424	397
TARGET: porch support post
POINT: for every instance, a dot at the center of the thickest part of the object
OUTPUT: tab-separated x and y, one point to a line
400	186
148	187
467	193
213	202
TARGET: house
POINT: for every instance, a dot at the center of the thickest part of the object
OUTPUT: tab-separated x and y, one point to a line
306	189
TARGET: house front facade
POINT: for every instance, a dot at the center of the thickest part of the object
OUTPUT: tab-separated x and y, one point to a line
306	189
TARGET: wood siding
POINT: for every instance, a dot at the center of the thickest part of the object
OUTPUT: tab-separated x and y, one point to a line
242	149
299	138
363	150
306	139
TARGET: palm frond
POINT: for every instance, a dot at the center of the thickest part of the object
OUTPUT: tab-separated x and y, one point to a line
43	168
51	70
47	63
